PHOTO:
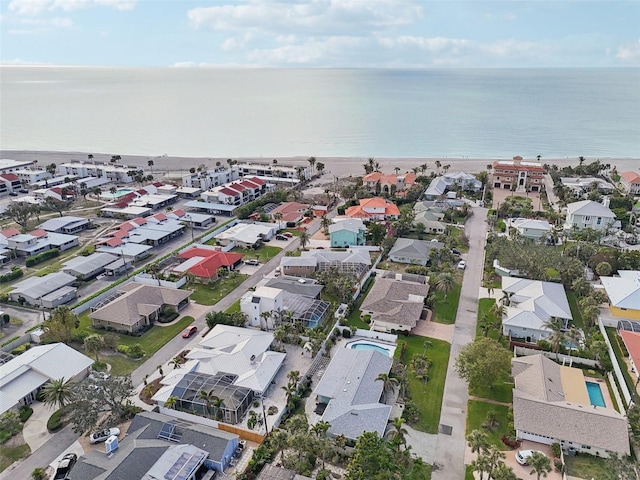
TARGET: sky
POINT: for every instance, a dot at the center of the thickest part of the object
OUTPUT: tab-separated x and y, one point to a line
321	33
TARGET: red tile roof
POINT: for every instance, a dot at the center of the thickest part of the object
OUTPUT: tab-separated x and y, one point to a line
10	232
632	342
160	217
248	184
237	186
39	233
229	192
139	221
358	211
214	259
256	180
179	213
631	177
12	177
126	226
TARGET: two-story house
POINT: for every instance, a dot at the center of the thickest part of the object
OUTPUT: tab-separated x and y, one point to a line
375	208
589	214
345	232
630	182
517	174
11	182
378	182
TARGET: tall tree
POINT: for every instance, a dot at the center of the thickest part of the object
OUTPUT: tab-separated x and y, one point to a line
60	324
397	435
304	238
389	384
445	283
58	393
21	213
478	441
557	337
312	163
93	344
483	363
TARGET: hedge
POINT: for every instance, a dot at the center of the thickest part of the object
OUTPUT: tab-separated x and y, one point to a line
25	412
16	272
9	341
55	421
41	257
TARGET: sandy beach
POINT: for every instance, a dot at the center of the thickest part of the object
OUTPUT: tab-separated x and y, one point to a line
335	166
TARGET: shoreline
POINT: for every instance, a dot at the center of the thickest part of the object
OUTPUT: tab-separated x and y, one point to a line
335	166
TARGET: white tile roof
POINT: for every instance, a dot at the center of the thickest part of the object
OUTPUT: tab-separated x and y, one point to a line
589	207
623	291
36	287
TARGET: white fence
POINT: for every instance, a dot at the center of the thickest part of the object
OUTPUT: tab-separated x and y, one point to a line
565	359
616	367
148	279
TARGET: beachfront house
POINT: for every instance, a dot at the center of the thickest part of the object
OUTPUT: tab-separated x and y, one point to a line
630	182
518	174
589	214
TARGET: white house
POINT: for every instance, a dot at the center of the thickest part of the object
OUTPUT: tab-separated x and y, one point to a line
589	214
630	182
247	234
531	228
22	377
48	291
261	300
530	304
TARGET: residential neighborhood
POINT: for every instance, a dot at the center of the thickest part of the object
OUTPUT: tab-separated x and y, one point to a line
247	318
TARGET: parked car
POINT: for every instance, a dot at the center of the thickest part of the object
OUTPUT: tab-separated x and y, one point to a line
65	466
287	234
276	273
462	264
455	251
13	194
102	435
252	262
189	331
23	191
281	237
522	456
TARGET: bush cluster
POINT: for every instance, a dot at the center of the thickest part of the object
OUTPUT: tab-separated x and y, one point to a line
55	421
133	351
21	349
16	272
25	412
41	257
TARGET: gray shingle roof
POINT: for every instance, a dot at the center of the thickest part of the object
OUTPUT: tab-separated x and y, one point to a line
36	287
418	249
391	298
90	263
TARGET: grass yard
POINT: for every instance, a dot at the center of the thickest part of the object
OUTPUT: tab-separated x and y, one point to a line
292	231
446	309
502	392
263	254
235	307
151	341
477	414
575	311
206	295
427	395
586	466
468	473
8	455
354	317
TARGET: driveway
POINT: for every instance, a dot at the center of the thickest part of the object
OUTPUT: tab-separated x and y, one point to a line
450	450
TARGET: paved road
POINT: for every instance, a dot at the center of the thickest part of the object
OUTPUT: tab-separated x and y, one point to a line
450	447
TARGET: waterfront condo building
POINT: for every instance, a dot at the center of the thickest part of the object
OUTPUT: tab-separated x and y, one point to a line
518	175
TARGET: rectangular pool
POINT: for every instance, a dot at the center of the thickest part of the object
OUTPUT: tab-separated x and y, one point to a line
595	394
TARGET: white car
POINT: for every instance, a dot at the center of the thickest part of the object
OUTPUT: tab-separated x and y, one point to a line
522	457
462	264
102	435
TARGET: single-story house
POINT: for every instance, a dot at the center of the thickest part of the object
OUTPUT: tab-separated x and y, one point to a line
39	241
551	404
356	261
132	252
271	472
432	220
580	185
395	304
289	211
346	232
88	267
204	261
246	234
531	228
48	291
125	212
22	377
414	252
624	294
66	224
159	446
136	306
530	304
310	288
351	395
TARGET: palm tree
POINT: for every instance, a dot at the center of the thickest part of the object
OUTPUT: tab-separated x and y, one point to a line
218	404
171	402
277	217
113	191
208	397
557	336
397	435
58	393
150	164
481	464
540	464
498	310
388	384
93	344
506	298
176	362
312	163
325	222
320	167
294	377
478	440
304	238
438	165
573	336
495	458
321	428
266	315
503	472
445	283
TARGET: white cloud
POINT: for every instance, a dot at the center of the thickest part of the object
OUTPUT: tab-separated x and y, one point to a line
56	22
38	7
236	43
19	61
317	17
629	53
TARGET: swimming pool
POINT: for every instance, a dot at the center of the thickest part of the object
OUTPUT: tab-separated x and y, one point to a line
121	192
370	345
595	394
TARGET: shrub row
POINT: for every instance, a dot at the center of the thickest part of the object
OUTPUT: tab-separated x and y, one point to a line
9	341
16	272
133	351
41	257
21	349
55	421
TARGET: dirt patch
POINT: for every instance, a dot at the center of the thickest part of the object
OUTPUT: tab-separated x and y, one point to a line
149	391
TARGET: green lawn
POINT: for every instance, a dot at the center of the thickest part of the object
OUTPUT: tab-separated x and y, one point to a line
354	316
446	309
8	455
477	414
263	254
293	231
235	307
468	473
575	311
502	392
586	466
427	395
206	295
151	341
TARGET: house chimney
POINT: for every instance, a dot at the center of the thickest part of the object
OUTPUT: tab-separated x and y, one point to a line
517	160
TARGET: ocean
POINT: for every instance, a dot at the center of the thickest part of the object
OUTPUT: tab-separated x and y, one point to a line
475	113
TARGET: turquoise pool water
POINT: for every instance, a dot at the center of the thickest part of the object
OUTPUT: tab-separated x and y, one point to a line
595	394
370	346
121	192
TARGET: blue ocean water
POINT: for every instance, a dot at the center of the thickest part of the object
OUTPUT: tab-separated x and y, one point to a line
325	112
